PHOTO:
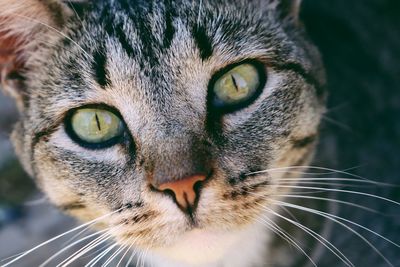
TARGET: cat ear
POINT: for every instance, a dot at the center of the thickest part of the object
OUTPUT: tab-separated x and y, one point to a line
23	24
289	10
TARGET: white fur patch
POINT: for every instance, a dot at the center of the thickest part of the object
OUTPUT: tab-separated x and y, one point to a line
208	248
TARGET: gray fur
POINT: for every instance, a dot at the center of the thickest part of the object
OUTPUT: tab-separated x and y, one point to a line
152	61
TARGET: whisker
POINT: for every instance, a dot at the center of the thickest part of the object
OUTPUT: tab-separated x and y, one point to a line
332	200
340	124
328	171
283	234
342	191
68	247
290	213
123	256
337	220
85	249
316	236
59	236
75	236
324	183
130	259
113	256
100	256
335	180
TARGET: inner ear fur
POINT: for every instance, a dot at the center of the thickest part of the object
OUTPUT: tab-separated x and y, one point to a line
23	23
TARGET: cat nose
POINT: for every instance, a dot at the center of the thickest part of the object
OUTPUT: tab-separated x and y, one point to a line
184	190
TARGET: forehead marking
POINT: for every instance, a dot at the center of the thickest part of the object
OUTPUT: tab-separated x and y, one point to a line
203	41
99	67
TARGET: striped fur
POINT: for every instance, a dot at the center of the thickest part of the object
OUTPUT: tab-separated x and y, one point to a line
152	61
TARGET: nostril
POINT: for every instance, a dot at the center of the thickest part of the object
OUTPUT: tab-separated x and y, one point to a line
184	191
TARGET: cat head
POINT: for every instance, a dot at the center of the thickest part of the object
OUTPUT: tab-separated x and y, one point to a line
165	114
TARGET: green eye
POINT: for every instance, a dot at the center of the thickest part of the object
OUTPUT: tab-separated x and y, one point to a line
94	126
238	86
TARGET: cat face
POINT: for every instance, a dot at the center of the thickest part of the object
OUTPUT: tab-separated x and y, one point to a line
119	98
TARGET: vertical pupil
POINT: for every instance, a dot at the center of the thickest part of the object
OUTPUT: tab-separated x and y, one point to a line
97	121
234	82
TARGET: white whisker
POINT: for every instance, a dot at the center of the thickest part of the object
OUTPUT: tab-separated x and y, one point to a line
337	220
331	200
317	237
113	256
328	171
59	236
341	191
94	261
68	247
85	249
278	230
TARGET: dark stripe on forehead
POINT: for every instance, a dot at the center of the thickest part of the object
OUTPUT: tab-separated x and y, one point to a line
203	41
99	65
169	27
120	34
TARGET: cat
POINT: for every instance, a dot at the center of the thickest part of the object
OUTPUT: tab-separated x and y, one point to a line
176	128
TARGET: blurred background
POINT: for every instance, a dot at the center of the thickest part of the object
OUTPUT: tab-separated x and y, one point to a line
360	44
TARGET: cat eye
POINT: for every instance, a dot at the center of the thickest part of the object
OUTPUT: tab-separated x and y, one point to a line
94	127
237	86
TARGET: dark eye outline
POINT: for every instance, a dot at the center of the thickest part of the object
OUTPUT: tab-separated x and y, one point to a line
94	146
217	105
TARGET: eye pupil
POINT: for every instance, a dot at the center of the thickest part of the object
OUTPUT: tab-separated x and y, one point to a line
234	82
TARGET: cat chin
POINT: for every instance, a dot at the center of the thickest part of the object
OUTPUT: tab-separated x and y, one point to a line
201	248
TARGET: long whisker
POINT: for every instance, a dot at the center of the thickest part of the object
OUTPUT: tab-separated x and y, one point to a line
123	256
337	220
85	249
317	236
131	258
324	183
278	230
75	236
332	179
68	247
113	256
290	213
331	200
94	261
341	191
340	124
328	170
59	236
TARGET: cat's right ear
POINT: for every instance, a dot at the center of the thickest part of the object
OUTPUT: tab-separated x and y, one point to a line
289	10
24	25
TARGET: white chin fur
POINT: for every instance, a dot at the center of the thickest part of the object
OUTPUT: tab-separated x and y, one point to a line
201	248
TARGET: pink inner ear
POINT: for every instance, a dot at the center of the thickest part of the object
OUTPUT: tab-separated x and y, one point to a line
10	61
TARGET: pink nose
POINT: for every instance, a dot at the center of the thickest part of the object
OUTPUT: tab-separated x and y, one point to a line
183	189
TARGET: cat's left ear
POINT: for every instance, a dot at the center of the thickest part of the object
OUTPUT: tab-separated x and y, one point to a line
289	10
24	26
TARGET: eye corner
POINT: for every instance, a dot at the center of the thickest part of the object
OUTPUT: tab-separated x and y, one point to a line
218	105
